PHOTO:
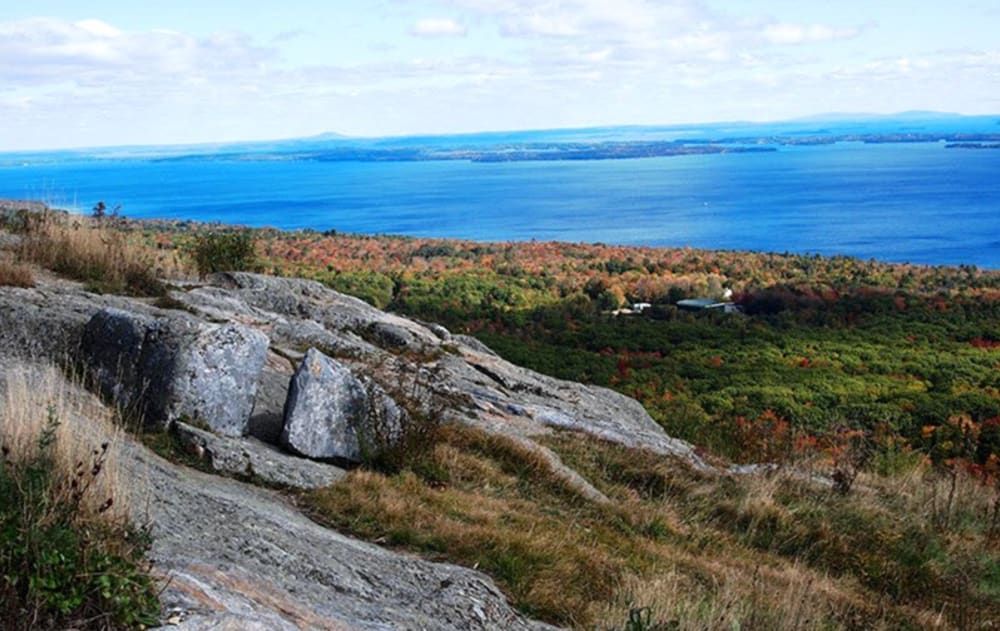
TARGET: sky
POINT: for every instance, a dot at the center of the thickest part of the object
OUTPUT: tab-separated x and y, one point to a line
120	72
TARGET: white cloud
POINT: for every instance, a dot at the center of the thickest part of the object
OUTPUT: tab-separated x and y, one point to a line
438	27
539	25
806	33
45	50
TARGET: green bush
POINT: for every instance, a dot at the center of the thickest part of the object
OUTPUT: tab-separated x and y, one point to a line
374	288
60	566
224	252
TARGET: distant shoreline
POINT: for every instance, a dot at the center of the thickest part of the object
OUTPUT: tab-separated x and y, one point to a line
572	151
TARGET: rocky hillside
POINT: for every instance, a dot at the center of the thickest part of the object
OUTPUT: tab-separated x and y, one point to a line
279	380
310	461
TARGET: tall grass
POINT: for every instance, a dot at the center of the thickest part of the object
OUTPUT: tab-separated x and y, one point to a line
70	556
679	549
105	257
15	274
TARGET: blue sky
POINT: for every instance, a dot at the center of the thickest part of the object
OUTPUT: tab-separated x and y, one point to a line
109	72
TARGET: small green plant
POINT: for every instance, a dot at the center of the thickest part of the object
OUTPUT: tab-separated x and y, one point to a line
395	436
224	252
63	564
641	619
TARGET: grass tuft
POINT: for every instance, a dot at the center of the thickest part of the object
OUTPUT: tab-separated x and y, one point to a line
15	274
106	258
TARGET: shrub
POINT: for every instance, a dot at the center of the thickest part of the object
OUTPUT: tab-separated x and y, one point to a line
374	288
69	555
13	274
224	252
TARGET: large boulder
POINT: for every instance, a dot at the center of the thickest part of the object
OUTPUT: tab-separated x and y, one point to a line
332	414
176	368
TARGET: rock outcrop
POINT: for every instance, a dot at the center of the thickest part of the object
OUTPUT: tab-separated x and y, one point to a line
262	378
259	328
237	556
256	461
176	367
496	394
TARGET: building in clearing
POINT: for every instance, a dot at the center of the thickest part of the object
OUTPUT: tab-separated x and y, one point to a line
706	304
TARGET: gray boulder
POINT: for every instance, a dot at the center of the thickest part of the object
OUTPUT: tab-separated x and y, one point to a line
216	372
331	414
325	403
442	333
176	368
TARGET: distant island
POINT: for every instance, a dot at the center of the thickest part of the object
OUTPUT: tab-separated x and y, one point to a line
973	145
616	150
512	153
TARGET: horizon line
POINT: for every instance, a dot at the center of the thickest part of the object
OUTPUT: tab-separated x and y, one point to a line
819	117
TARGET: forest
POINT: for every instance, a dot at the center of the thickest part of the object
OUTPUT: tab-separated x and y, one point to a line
903	359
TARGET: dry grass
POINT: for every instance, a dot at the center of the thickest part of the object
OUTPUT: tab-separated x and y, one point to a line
15	274
951	499
469	501
677	549
485	502
34	395
785	599
107	258
70	555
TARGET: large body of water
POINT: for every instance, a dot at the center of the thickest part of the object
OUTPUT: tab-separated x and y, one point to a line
919	203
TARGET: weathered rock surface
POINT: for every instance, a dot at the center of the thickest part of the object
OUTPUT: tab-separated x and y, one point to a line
237	556
391	335
469	382
326	402
48	322
176	367
256	460
215	374
112	345
333	414
237	553
268	416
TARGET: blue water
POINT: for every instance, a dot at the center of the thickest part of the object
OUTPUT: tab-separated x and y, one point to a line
919	203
